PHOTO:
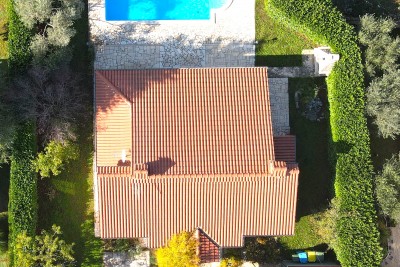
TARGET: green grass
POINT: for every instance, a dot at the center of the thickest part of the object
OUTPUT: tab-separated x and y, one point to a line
315	181
305	236
316	178
277	45
72	206
3	30
66	200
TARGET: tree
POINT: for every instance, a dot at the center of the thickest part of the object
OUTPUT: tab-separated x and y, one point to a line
46	250
388	188
180	251
383	102
52	99
54	156
52	20
382	51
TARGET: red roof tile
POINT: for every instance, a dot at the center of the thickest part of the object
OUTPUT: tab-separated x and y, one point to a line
225	207
198	153
185	121
285	148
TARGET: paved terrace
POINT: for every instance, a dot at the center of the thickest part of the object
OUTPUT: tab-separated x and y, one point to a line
226	40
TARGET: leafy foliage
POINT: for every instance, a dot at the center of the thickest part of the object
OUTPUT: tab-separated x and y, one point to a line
46	249
52	99
53	22
22	210
262	249
55	155
383	102
231	262
388	188
382	51
19	38
357	235
180	251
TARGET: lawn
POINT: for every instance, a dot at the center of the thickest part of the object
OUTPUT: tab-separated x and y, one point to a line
315	181
67	200
277	45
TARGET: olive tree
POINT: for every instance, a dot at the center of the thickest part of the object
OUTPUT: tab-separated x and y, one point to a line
383	102
52	20
382	51
388	188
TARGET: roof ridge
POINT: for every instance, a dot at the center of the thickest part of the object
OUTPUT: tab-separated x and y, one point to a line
112	86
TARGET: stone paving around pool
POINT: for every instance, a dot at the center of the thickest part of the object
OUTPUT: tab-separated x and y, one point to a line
227	40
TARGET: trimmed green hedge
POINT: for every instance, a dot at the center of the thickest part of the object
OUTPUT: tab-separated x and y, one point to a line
23	206
19	38
358	236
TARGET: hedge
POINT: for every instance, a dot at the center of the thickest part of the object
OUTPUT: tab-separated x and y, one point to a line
357	232
19	38
23	206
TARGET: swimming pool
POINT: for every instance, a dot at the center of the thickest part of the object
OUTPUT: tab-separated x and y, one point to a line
160	9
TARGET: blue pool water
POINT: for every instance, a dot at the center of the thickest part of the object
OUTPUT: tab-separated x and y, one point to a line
160	9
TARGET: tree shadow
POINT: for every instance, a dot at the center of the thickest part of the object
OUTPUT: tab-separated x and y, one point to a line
160	166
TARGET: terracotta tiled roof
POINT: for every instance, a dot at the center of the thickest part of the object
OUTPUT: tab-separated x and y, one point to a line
190	148
185	121
225	207
285	148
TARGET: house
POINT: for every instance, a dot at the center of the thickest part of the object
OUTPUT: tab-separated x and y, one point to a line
191	149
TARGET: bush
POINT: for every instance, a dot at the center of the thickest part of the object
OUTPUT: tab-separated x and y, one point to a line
54	157
19	38
22	209
180	251
46	249
262	249
231	262
357	235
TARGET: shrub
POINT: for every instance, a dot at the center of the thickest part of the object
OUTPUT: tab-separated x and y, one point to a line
22	209
19	38
231	262
46	249
262	249
357	235
54	156
180	251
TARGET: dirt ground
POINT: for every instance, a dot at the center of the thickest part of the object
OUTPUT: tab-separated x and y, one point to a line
393	257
